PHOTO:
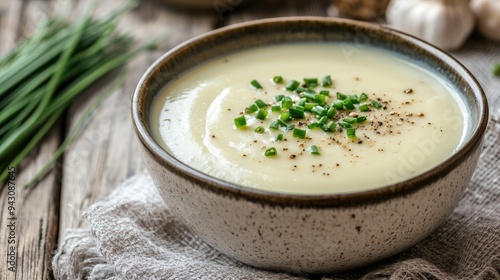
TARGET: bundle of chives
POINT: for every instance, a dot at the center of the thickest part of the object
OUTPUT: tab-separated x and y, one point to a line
42	76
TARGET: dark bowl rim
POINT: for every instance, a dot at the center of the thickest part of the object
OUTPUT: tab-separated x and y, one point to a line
347	199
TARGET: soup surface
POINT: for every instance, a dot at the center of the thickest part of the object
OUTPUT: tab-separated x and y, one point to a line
403	120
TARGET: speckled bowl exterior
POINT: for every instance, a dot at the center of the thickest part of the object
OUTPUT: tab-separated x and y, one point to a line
310	233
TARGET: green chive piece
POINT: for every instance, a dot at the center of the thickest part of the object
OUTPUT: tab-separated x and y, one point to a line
314	150
361	119
299	133
278	79
301	102
351	133
300	89
292	85
295	113
308	106
260	103
364	107
363	97
350	120
240	122
354	99
323	120
309	95
252	109
331	113
279	97
274	125
289	127
338	104
319	110
348	104
256	84
300	108
332	126
261	114
279	137
341	96
271	152
286	117
344	124
496	70
260	129
276	108
320	98
327	81
376	104
313	125
286	102
311	82
324	92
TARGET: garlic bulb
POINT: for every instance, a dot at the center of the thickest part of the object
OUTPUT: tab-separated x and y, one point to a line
444	23
488	17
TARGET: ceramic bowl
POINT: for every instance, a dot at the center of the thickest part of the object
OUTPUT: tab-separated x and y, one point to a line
309	233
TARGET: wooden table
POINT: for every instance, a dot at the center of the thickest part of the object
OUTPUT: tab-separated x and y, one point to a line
107	152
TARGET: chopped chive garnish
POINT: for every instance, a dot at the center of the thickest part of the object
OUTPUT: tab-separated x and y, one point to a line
260	103
351	132
256	84
289	127
271	152
344	124
320	98
354	99
279	137
324	92
300	108
327	81
338	104
301	102
286	117
311	82
361	119
314	150
332	126
279	97
350	120
323	119
364	107
299	133
292	85
363	97
262	114
295	113
240	121
274	125
300	89
376	104
319	110
331	113
313	125
260	129
286	102
278	79
341	96
308	106
276	108
309	95
252	109
348	104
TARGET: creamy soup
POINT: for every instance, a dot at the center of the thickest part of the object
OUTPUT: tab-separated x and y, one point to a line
215	118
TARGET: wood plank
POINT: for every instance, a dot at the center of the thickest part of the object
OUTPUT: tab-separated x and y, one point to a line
36	227
108	152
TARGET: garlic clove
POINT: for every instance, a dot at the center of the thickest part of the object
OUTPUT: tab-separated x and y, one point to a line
487	13
444	23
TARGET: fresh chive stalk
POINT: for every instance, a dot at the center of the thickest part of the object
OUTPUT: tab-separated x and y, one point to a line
43	75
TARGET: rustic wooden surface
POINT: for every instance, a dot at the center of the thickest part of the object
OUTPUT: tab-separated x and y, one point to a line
107	152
